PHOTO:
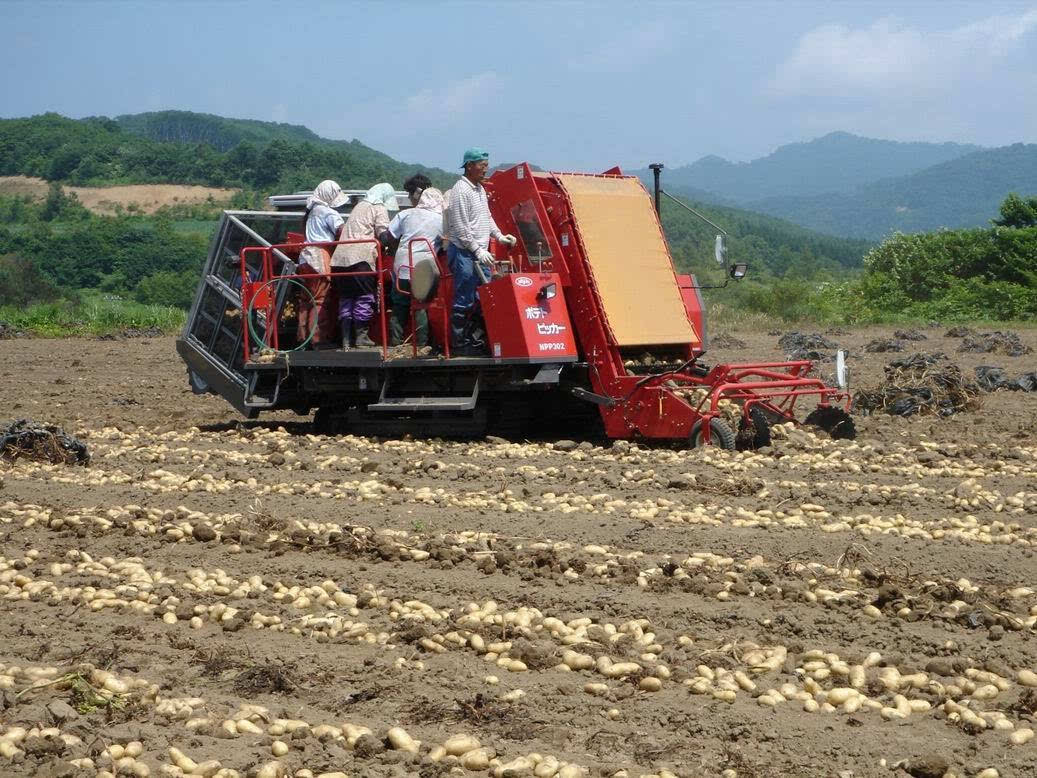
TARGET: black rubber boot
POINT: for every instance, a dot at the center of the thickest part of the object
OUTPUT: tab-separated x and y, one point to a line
459	333
475	333
363	340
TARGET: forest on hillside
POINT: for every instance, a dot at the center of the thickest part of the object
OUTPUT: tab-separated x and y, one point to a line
964	192
102	152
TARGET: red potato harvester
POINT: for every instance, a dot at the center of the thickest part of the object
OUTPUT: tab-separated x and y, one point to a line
589	330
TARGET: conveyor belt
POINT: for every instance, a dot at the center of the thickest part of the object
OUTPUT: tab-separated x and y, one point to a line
628	259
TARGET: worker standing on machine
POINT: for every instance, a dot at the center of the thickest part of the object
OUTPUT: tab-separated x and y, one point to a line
415	231
415	185
323	225
356	301
469	227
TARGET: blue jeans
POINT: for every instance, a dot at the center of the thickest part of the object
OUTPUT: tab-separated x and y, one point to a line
462	268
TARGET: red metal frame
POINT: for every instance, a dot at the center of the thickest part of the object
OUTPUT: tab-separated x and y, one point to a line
640	405
259	289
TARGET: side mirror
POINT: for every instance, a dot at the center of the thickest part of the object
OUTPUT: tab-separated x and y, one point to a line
739	270
547	291
720	249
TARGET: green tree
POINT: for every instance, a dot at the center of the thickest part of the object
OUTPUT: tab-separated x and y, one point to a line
21	282
1017	212
54	203
167	288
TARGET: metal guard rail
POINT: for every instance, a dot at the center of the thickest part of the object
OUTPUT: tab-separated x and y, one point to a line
250	293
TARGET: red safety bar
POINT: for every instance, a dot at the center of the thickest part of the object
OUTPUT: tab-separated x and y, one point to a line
258	291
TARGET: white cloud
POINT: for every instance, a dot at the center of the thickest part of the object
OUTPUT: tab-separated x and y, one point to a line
454	100
834	60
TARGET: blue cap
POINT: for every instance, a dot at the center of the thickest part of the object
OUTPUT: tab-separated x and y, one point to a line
474	155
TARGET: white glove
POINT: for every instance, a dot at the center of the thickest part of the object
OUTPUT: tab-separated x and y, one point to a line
508	240
484	256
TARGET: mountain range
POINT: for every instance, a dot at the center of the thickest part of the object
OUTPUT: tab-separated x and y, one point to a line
850	186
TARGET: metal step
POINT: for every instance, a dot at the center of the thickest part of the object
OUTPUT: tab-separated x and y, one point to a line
406	404
263	390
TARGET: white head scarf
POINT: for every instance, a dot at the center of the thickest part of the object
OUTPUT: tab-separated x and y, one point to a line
432	200
328	193
383	194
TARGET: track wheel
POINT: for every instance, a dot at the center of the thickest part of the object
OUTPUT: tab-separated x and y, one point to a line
325	422
720	434
754	432
835	421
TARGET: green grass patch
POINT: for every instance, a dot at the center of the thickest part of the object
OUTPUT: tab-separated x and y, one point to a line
93	314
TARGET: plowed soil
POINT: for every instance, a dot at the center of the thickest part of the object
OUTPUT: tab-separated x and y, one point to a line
227	587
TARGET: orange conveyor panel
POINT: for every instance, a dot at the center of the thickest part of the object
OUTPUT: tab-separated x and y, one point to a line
628	259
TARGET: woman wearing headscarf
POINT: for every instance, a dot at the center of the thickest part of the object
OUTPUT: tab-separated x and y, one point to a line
323	224
412	228
356	305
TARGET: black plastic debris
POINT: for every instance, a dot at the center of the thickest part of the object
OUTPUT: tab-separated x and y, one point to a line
28	439
917	361
794	340
799	345
990	379
996	342
881	345
922	383
813	356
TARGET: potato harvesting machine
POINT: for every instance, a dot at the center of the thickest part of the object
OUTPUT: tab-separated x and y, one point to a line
589	331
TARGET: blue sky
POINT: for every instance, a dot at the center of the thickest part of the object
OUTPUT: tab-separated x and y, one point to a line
566	85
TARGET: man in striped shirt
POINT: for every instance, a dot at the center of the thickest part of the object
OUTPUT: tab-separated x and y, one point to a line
469	227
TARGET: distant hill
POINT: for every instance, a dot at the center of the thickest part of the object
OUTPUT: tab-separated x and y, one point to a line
837	162
179	147
224	134
964	192
219	132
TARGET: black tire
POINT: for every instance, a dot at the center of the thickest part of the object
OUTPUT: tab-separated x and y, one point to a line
720	434
835	421
754	432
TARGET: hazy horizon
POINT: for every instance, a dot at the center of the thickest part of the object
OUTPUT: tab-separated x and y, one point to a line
559	84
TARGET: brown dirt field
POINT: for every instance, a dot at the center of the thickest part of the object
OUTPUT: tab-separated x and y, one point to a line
104	200
201	565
